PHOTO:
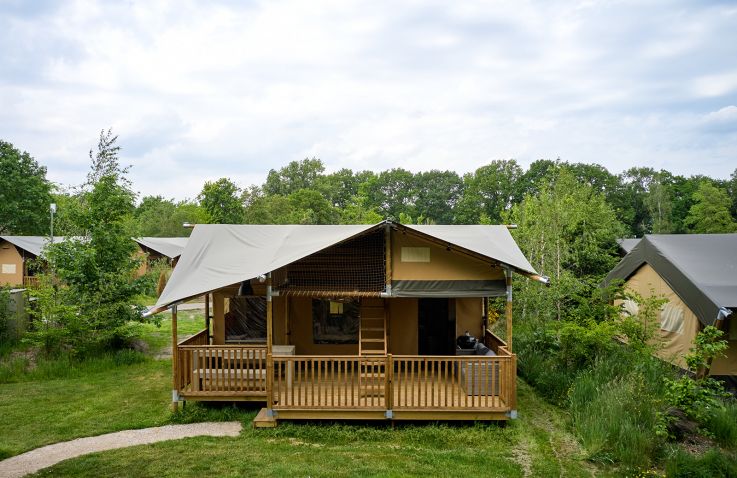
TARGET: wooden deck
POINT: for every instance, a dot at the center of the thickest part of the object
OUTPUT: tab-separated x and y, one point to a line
344	387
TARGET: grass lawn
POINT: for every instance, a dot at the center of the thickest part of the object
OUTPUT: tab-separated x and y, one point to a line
537	444
158	338
89	402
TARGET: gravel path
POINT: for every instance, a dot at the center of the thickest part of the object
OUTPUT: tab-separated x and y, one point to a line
35	460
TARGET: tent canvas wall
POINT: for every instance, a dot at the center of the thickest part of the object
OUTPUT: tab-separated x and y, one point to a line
156	248
697	273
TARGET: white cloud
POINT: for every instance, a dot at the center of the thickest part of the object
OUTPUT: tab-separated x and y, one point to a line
199	91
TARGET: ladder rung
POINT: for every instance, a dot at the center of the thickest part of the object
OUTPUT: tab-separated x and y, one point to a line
372	340
372	352
372	329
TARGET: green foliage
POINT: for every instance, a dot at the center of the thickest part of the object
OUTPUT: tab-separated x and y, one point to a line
580	345
4	316
221	199
722	424
714	464
25	193
85	302
698	395
293	177
490	190
614	409
159	217
640	329
710	212
150	281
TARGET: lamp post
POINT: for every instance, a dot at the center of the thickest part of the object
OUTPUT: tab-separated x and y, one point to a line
52	208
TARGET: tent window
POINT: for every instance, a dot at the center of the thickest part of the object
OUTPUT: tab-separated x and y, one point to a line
245	319
335	322
630	307
8	269
671	319
415	254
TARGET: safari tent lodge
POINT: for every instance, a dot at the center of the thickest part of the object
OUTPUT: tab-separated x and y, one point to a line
381	321
697	274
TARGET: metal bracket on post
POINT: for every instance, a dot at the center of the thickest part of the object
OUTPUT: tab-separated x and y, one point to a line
389	414
271	413
512	414
175	396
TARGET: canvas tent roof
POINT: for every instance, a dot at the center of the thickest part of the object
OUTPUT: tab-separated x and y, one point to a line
170	247
627	244
219	255
700	268
32	244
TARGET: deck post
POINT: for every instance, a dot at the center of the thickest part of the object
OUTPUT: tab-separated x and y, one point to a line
508	308
513	387
388	257
174	361
207	316
388	385
269	348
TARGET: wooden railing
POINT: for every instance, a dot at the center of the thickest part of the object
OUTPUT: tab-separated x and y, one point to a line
495	343
200	338
413	383
31	282
220	370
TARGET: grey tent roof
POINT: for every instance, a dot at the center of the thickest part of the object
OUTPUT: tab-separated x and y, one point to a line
700	268
627	244
219	255
32	244
170	247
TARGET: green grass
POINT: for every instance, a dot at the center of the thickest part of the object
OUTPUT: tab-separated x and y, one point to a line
88	401
534	445
158	337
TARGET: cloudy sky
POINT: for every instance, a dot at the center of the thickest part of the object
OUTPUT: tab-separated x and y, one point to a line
202	90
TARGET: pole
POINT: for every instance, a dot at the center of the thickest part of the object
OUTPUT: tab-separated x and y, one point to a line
174	361
508	308
207	316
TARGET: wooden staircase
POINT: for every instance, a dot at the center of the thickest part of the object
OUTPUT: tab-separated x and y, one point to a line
372	342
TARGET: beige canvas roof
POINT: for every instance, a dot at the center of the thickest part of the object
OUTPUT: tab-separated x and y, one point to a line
32	244
219	255
170	247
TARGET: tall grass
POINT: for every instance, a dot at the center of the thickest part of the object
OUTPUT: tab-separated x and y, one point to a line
614	408
713	463
26	368
722	425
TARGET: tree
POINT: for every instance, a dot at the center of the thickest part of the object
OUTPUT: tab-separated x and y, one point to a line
96	271
221	200
25	193
568	232
105	160
311	207
391	193
159	217
710	212
491	190
438	192
660	207
293	177
733	193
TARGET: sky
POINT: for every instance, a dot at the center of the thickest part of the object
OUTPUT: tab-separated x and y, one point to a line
202	90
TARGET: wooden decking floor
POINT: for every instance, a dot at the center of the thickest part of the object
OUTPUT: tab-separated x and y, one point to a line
410	392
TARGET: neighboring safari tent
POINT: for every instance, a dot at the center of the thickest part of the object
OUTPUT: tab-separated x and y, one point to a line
697	273
157	248
351	321
15	254
626	245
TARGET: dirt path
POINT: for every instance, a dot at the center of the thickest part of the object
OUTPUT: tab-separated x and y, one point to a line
35	460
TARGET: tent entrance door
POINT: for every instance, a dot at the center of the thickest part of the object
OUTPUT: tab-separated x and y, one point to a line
436	327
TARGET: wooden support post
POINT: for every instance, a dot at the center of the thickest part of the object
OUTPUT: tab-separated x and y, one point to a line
218	318
513	384
207	316
388	257
174	361
389	382
269	316
287	332
269	384
508	308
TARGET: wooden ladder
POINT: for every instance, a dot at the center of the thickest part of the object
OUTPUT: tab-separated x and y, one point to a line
372	343
372	331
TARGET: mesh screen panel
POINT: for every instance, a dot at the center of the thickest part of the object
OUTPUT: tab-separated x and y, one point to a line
357	265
